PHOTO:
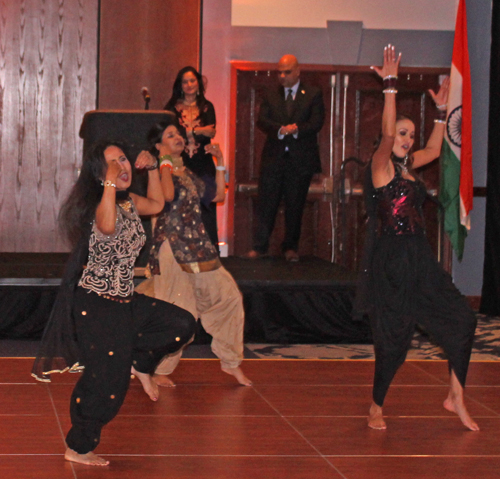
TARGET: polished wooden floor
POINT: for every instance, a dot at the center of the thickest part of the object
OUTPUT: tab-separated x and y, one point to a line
302	419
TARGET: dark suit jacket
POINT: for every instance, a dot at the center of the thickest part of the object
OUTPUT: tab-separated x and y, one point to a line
308	114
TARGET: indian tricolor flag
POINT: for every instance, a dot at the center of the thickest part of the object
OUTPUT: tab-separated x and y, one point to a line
456	156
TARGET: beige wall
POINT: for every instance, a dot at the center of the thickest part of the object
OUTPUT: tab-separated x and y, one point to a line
375	14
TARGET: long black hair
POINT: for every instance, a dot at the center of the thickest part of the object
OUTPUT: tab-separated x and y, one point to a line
78	211
178	94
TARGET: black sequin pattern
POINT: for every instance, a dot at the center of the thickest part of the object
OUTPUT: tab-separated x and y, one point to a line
110	266
399	209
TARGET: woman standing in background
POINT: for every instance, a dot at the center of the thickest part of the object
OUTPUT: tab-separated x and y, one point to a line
196	118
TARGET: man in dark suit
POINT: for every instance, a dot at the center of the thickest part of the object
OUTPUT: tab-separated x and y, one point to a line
291	116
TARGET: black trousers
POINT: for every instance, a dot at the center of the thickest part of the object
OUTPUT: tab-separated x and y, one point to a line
113	337
281	181
409	287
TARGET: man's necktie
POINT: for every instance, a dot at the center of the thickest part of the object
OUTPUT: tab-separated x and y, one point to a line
289	103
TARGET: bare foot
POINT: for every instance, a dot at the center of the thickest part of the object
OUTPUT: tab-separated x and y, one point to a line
375	417
163	380
150	387
456	405
90	458
239	375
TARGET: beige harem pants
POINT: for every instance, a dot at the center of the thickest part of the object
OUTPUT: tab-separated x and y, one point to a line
212	296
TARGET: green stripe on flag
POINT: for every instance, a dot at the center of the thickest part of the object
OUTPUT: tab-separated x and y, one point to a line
449	196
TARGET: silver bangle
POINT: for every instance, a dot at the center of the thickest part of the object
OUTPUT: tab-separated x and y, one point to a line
388	77
440	121
390	90
442	107
220	168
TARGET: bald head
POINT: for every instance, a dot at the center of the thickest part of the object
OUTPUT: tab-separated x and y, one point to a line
288	70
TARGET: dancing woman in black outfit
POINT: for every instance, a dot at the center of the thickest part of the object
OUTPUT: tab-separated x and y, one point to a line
406	285
98	324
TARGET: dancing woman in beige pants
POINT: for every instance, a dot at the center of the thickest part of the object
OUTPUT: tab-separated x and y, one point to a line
185	265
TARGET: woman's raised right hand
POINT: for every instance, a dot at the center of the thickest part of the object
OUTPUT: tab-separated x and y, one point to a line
391	63
113	171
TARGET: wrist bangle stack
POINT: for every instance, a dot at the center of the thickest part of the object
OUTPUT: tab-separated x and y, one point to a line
166	163
441	114
390	84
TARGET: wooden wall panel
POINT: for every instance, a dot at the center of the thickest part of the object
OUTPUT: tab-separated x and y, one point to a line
145	43
48	52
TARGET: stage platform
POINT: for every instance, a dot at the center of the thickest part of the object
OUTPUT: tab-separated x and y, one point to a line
286	303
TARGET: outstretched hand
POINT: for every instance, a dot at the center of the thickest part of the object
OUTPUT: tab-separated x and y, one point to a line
441	97
391	63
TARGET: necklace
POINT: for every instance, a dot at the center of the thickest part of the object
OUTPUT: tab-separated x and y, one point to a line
402	163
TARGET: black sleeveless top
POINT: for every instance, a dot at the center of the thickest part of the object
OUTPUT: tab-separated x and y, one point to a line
399	206
393	210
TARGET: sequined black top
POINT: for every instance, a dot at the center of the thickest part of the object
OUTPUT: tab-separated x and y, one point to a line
399	206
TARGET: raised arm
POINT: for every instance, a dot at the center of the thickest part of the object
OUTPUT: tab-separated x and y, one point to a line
220	175
167	183
154	202
105	215
432	149
382	167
